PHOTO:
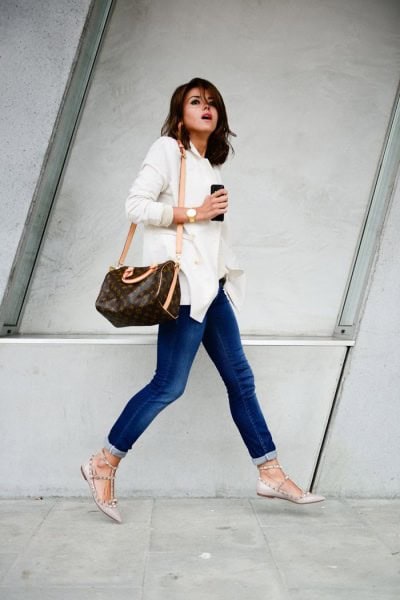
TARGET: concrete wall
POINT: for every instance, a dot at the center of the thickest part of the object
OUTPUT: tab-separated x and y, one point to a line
62	398
363	449
309	87
38	45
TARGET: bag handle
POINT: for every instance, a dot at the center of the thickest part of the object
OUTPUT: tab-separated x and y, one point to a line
181	202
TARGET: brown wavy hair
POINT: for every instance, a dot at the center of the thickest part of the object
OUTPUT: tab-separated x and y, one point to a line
218	146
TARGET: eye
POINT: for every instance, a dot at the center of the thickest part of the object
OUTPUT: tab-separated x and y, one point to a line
195	101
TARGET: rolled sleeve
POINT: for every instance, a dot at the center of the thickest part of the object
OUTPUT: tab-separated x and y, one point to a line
167	216
143	202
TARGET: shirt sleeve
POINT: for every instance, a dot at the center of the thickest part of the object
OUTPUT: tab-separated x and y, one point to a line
142	204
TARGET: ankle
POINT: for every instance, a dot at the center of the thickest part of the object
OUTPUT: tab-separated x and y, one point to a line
271	469
110	458
269	466
270	463
105	460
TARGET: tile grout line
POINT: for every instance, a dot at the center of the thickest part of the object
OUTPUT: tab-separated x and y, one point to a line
261	528
27	544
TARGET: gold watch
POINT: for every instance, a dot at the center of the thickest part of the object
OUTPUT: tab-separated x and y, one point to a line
191	214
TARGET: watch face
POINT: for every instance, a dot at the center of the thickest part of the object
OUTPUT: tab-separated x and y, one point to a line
191	212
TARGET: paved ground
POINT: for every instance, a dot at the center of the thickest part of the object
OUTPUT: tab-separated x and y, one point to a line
200	548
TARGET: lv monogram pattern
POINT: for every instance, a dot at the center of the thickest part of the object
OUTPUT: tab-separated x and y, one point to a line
140	303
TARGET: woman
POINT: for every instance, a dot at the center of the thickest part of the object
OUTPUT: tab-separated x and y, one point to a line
208	277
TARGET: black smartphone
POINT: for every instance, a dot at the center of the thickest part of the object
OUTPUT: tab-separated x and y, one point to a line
214	188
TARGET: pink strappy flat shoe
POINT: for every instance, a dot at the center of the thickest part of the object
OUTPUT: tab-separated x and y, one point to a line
109	508
269	491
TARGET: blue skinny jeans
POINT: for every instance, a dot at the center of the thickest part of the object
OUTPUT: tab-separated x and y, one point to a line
177	345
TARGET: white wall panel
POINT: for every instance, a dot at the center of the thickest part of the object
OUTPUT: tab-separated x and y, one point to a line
309	87
363	449
59	400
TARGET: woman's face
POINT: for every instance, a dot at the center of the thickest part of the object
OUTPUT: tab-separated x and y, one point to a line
200	115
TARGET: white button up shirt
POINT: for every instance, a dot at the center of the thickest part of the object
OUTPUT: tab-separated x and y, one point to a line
206	253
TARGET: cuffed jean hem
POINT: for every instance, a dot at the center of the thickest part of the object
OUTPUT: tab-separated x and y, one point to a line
113	450
261	459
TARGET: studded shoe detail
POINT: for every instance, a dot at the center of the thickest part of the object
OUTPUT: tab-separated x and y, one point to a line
109	508
269	491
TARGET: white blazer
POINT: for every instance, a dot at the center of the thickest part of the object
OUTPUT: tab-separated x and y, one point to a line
206	253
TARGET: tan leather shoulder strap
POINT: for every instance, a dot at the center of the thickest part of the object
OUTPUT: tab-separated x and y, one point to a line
128	242
181	202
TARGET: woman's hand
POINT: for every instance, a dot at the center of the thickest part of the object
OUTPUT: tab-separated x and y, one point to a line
213	205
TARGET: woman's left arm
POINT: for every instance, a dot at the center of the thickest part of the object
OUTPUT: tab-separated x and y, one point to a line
213	205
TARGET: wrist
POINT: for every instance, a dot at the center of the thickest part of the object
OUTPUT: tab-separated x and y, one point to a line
191	214
200	216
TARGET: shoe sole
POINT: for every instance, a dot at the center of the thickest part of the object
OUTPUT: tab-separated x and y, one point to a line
270	497
288	499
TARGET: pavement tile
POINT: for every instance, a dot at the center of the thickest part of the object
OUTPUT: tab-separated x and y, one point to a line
201	548
383	516
329	557
77	544
344	594
209	549
19	520
212	576
7	559
281	513
70	593
200	524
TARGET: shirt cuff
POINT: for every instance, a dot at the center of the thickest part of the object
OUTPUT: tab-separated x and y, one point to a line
167	215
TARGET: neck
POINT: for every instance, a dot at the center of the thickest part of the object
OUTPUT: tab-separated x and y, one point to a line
200	142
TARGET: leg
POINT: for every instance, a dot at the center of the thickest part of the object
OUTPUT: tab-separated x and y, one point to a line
223	344
177	344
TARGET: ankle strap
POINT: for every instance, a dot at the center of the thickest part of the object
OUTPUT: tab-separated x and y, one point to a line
106	461
270	467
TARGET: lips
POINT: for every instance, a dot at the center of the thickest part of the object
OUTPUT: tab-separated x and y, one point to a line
207	116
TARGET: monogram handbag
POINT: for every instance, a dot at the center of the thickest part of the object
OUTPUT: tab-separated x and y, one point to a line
144	295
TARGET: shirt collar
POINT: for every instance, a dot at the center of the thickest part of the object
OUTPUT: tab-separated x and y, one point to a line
195	151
